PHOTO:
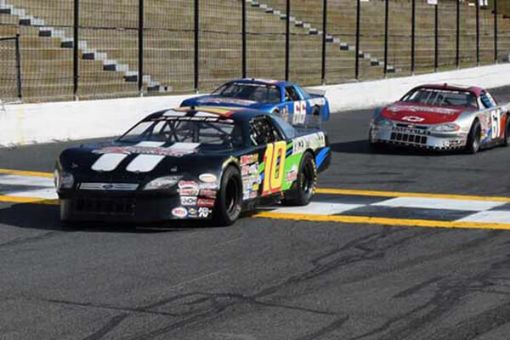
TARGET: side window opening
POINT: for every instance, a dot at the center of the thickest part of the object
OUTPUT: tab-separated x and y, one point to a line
263	132
291	94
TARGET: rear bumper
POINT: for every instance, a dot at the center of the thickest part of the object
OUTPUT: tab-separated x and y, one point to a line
417	139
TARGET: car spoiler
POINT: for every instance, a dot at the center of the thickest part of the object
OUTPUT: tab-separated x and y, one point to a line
315	92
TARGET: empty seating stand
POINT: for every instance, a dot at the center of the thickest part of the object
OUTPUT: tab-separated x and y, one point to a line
109	54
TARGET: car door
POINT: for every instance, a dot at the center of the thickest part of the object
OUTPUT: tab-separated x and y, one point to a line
271	147
295	104
496	121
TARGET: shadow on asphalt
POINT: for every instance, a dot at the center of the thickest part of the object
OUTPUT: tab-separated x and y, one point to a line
362	147
46	217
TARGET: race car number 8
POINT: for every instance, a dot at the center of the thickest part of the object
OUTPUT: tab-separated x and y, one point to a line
275	163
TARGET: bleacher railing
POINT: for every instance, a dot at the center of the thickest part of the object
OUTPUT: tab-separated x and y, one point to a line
86	49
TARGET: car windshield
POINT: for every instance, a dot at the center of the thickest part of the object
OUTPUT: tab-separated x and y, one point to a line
440	97
208	133
262	93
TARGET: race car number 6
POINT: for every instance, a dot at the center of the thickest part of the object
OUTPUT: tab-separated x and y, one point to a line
275	163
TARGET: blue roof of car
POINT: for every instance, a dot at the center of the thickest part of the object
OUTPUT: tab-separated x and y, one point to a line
262	81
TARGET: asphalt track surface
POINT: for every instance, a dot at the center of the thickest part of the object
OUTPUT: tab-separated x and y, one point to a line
269	278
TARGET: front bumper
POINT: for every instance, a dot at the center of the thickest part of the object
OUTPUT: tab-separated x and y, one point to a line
417	137
127	209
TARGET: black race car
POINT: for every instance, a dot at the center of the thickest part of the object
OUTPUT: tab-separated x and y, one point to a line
191	163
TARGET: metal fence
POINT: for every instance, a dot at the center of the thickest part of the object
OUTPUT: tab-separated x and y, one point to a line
143	47
10	69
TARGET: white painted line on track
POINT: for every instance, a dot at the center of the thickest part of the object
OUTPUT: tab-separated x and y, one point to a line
26	181
437	203
319	208
47	193
489	217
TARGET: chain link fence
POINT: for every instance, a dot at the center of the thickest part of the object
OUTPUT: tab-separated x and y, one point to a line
88	49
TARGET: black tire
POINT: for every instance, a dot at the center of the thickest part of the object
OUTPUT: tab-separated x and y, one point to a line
305	185
506	141
473	141
228	204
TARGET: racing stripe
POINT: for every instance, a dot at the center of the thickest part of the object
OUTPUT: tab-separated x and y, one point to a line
108	162
144	163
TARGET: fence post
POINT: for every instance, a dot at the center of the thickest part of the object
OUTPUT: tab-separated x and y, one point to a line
141	7
324	34
76	36
18	68
496	31
436	36
358	19
386	31
287	40
413	35
457	38
477	4
243	37
197	36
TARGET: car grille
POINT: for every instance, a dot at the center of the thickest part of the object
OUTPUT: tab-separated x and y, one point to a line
102	206
408	138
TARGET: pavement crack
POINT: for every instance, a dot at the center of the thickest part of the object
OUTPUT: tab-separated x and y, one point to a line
30	239
108	327
325	330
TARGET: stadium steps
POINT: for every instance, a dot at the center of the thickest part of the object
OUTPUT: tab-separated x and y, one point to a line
312	30
87	52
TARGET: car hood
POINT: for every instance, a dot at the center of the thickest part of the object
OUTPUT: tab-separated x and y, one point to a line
422	114
114	162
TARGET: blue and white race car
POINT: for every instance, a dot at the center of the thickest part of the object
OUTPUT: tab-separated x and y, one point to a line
272	96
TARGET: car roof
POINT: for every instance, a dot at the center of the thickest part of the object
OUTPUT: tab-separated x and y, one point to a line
262	81
222	113
452	87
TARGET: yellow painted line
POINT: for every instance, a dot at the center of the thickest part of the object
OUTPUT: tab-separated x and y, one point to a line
353	192
384	221
27	200
26	173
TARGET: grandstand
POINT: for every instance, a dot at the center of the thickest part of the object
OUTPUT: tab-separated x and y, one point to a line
109	54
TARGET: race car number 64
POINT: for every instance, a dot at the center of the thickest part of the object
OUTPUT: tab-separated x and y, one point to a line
275	163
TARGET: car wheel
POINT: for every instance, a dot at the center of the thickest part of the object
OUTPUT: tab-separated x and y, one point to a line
473	141
506	141
306	183
229	201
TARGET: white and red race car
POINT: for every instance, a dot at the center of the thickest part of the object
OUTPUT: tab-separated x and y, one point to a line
442	117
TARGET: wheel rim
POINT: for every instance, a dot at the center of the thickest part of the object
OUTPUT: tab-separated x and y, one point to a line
232	197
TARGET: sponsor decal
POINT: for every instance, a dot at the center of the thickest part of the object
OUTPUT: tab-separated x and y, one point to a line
192	212
176	150
248	159
188	201
208	193
180	212
254	169
399	108
292	174
204	212
205	202
208	178
245	170
188	188
313	141
413	119
202	186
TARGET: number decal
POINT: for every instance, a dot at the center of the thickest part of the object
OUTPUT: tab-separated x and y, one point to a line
299	112
495	124
275	165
